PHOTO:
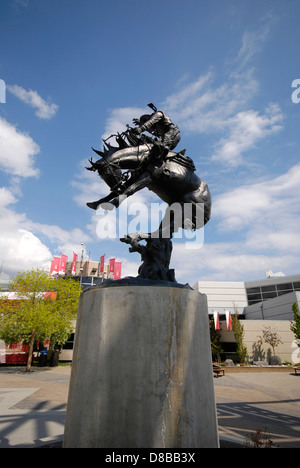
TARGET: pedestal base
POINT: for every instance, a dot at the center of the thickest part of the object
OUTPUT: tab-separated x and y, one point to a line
142	371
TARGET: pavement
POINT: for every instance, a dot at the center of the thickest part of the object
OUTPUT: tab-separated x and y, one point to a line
251	401
33	407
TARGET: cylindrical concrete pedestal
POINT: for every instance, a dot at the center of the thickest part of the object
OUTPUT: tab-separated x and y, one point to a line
142	370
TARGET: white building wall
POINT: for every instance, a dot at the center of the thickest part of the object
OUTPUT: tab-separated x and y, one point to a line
258	350
224	295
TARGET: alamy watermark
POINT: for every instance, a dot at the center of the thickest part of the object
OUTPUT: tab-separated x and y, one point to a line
295	96
2	92
156	219
296	353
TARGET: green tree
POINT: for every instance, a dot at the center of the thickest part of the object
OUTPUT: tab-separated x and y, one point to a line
32	317
271	337
239	333
215	341
295	325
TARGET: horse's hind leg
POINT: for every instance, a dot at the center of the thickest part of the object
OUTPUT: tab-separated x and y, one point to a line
171	222
139	184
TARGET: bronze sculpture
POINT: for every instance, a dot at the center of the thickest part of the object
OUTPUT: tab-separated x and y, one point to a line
140	161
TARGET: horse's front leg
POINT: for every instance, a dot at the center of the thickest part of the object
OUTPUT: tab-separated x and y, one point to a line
94	205
143	181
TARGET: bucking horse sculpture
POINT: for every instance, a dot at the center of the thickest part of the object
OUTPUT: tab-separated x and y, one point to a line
131	166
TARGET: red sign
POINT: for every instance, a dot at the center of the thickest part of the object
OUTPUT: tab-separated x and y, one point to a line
54	266
63	264
73	271
111	267
118	268
102	264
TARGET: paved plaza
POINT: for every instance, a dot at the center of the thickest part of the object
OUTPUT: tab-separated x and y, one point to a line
249	401
33	406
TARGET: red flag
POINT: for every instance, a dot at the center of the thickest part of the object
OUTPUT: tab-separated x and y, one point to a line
54	269
111	267
63	264
73	271
118	268
102	264
228	320
217	320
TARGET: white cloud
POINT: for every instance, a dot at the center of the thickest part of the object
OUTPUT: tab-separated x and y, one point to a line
21	244
273	202
204	108
246	129
23	250
264	220
20	249
230	261
223	108
118	119
253	41
43	109
65	241
17	151
6	197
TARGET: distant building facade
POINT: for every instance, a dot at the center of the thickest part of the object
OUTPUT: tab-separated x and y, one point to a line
262	303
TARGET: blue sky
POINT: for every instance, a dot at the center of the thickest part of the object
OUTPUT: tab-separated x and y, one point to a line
222	70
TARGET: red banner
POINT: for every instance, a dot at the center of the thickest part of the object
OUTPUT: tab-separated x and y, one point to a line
111	267
228	320
54	266
102	264
118	269
73	271
63	264
217	320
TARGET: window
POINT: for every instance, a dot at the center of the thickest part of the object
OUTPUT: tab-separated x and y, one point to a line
269	288
70	343
269	295
285	287
254	297
86	280
253	290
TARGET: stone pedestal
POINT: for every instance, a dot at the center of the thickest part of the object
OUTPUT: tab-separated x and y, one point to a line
142	371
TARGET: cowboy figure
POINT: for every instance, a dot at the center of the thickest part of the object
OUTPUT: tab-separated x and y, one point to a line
160	125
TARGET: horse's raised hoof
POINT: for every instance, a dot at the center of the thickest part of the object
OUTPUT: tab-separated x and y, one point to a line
93	205
107	206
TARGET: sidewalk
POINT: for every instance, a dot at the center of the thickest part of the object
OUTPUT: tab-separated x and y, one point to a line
249	401
33	406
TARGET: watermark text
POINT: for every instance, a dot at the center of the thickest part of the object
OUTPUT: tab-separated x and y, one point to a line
296	94
183	221
2	92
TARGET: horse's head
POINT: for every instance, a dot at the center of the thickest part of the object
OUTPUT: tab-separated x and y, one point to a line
109	171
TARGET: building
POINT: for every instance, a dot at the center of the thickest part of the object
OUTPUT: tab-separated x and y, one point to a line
87	268
88	273
91	273
224	295
261	303
271	298
270	288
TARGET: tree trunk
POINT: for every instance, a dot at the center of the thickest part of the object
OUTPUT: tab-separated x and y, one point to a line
30	352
